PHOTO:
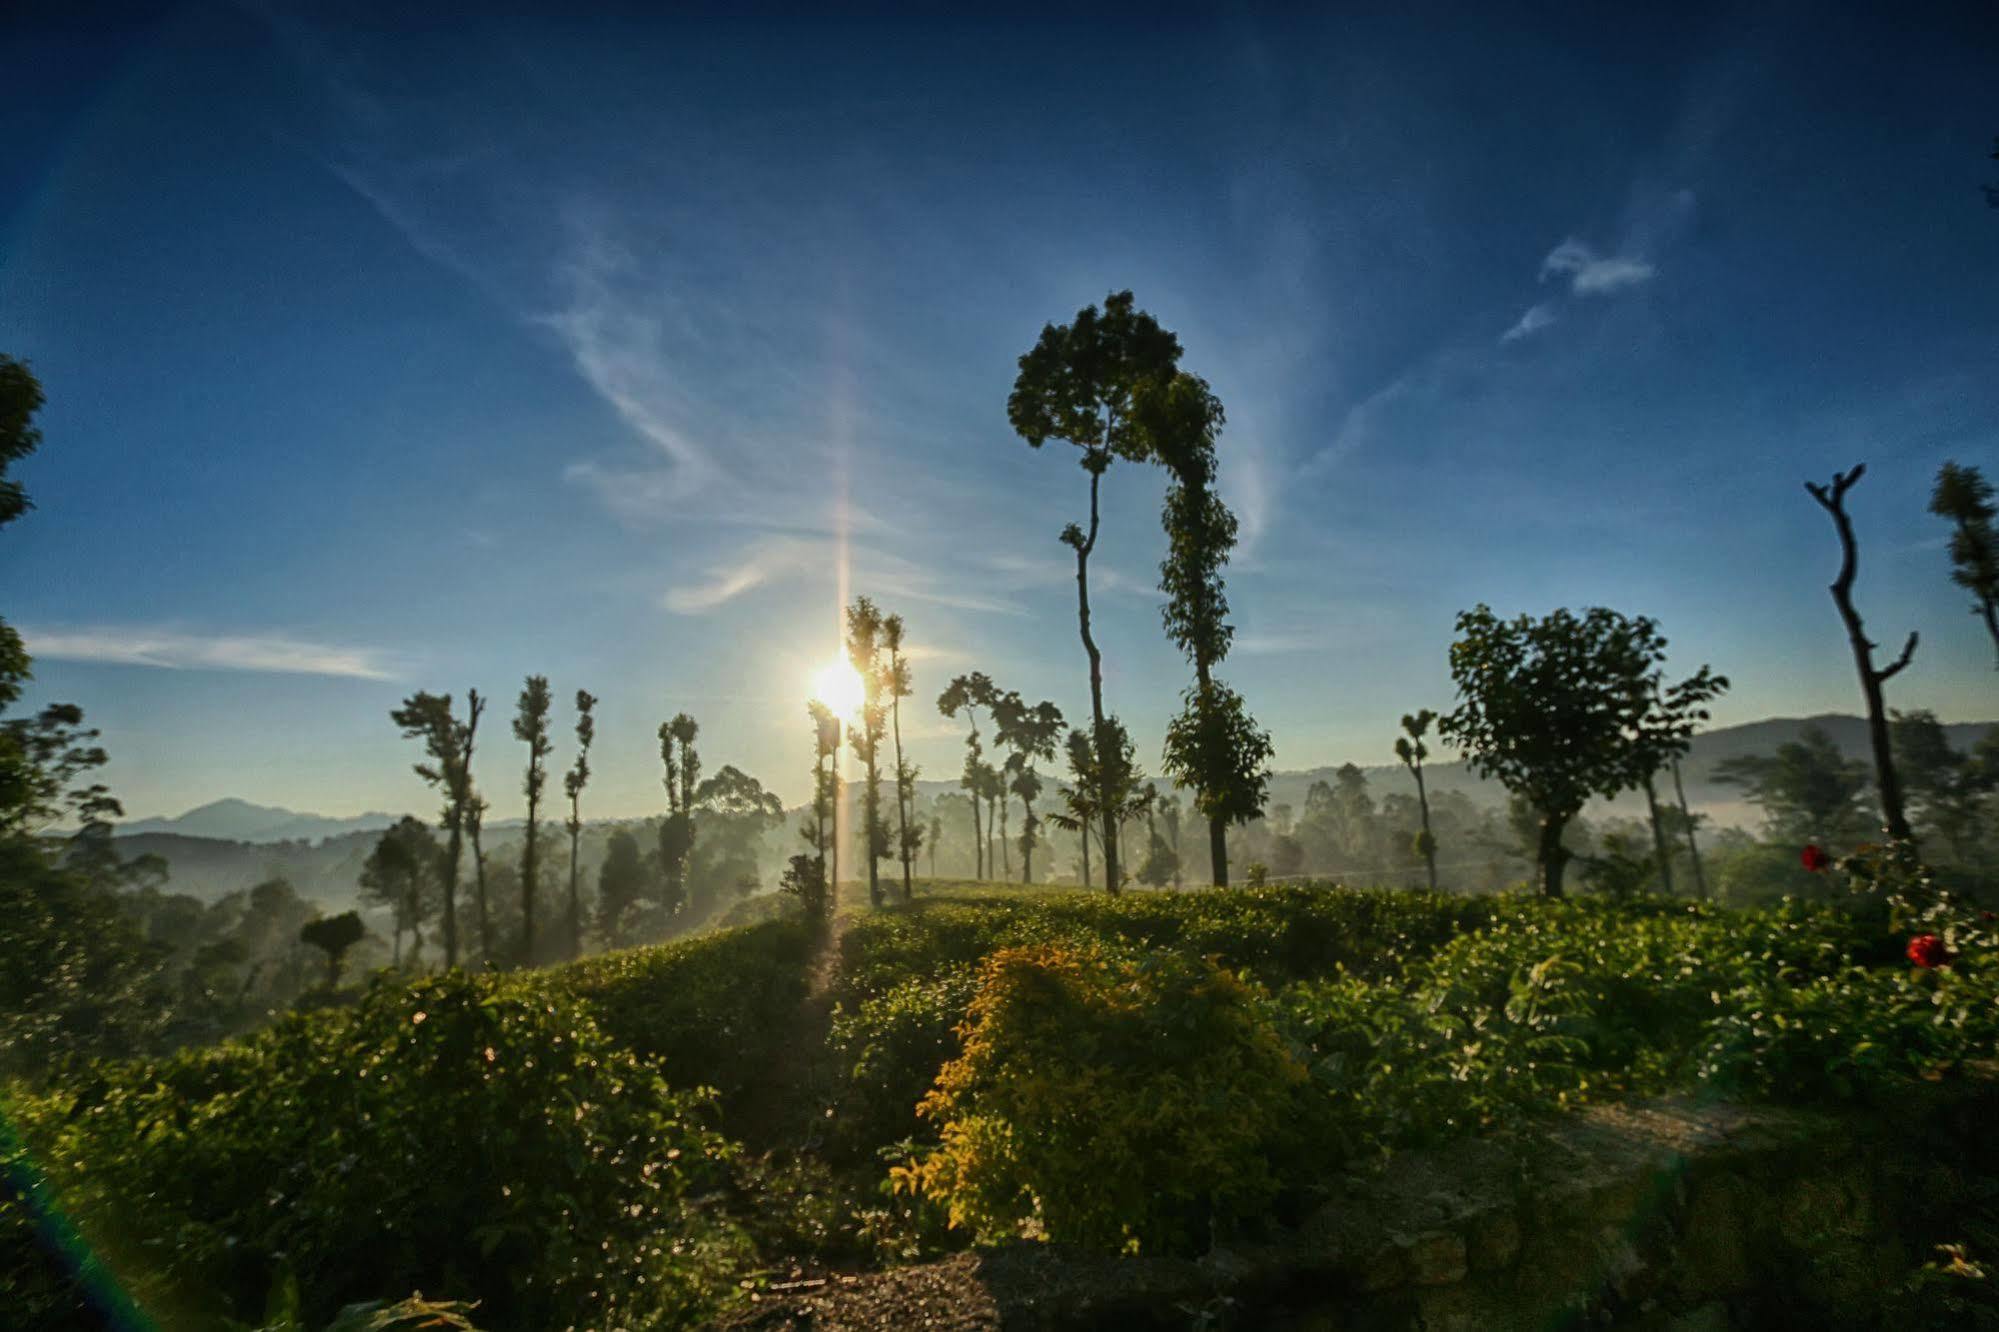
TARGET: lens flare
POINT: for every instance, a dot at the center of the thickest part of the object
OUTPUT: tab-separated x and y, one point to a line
838	686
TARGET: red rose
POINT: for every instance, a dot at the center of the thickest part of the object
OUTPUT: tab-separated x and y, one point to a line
1813	858
1926	950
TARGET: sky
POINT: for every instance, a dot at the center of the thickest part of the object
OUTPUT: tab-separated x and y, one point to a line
396	348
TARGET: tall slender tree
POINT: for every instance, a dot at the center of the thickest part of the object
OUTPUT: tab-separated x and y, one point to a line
1665	731
427	717
676	833
1409	747
864	651
1687	819
1076	384
1028	734
1112	774
936	835
968	694
907	836
1964	496
573	783
531	729
1215	747
1832	499
474	819
825	752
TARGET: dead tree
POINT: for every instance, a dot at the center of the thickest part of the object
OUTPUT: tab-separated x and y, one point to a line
1833	500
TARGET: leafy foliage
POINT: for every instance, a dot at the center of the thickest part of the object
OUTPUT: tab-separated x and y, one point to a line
448	1136
1131	1103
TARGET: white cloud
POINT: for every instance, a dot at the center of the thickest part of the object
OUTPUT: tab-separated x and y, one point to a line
869	573
1537	318
167	649
1591	274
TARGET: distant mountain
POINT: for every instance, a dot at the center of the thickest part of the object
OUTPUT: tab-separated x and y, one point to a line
232	820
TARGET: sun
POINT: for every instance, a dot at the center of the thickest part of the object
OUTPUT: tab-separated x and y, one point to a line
838	686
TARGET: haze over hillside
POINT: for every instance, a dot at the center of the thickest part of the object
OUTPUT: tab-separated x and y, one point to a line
232	844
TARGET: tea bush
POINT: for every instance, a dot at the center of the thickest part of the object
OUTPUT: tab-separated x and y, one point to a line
1118	1101
450	1136
712	1010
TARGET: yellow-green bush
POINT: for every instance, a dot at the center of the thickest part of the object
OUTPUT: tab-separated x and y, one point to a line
1128	1102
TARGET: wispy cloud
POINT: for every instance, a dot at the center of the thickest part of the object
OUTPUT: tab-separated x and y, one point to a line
1537	318
168	649
871	572
1593	274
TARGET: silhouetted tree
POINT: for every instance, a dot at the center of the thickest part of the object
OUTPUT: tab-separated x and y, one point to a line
1180	419
1964	496
446	741
1553	709
1809	791
864	632
1687	821
897	683
936	835
473	817
1077	384
1170	814
1116	776
1215	747
969	693
404	872
531	729
1409	747
573	783
621	883
1029	734
1947	789
825	753
676	834
333	935
805	879
1664	732
1833	500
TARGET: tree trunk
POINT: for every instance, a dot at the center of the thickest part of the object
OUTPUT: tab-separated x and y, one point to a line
1006	857
871	801
978	841
1552	855
451	854
1027	828
833	799
1085	835
1101	737
575	899
479	896
1693	848
1218	850
1659	846
901	807
1871	679
529	872
1429	842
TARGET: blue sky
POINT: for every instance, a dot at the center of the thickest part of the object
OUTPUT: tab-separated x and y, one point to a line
388	354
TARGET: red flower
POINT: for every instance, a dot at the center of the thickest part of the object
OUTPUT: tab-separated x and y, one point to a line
1926	950
1813	858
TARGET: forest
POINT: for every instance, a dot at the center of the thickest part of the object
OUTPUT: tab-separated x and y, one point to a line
707	1065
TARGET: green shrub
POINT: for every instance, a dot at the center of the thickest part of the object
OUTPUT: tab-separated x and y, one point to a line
713	1011
893	1044
450	1136
1117	1102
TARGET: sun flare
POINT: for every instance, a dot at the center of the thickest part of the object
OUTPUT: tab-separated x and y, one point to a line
838	686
